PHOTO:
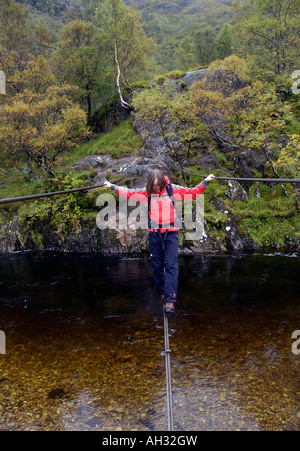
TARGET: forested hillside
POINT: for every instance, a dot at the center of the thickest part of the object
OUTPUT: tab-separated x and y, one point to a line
176	26
206	86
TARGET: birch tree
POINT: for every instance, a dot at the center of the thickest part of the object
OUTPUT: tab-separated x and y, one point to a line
130	47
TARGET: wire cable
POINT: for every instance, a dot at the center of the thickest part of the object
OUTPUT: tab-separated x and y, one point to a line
60	193
244	179
168	374
43	195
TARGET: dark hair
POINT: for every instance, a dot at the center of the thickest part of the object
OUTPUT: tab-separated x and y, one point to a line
155	174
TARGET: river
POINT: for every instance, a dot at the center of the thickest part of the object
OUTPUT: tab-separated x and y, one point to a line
84	337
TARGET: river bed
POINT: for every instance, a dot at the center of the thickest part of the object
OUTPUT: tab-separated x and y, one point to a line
84	337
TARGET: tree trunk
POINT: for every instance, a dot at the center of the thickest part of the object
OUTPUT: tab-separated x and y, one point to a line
123	102
89	103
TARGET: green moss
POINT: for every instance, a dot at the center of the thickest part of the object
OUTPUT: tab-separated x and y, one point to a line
271	231
176	74
120	141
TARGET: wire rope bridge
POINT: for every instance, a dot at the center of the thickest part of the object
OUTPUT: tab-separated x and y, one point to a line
167	352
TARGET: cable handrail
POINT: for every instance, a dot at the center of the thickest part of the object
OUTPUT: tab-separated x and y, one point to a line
88	188
244	179
43	195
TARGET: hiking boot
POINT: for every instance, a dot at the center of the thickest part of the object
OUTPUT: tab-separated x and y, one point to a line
169	307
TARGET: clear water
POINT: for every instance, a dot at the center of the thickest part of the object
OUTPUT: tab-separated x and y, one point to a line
84	336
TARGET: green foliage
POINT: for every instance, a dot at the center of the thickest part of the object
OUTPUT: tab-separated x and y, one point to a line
224	42
128	43
14	29
263	122
289	158
174	26
270	231
39	126
205	45
268	31
52	7
22	36
172	117
81	60
185	53
294	100
253	115
60	214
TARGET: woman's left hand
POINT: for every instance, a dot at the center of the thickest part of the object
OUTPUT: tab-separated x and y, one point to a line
210	178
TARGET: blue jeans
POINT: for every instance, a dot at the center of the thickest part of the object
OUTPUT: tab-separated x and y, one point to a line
164	259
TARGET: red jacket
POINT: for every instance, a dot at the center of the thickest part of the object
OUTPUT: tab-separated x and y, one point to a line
161	207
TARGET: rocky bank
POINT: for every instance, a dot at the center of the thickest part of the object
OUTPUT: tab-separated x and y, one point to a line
220	234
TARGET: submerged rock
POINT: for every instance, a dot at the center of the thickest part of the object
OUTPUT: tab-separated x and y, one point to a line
57	393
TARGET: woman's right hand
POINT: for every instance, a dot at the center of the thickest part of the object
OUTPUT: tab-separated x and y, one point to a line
107	184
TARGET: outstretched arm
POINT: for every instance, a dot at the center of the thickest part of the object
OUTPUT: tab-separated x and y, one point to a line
128	193
180	191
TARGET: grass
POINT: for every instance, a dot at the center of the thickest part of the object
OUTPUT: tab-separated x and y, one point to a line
271	230
119	142
272	203
13	184
175	74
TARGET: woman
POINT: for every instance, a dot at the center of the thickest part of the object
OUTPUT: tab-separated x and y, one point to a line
163	230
